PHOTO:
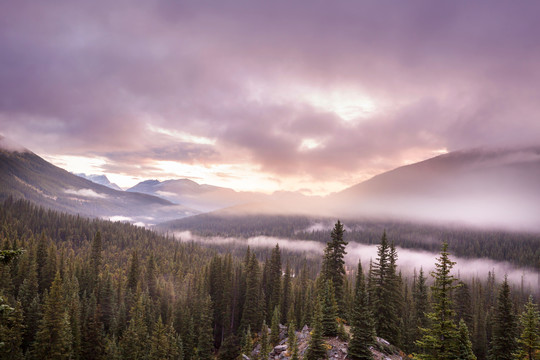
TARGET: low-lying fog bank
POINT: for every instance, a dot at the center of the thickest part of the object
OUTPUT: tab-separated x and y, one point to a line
408	259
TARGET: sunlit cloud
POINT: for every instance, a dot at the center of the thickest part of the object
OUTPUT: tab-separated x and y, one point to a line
319	97
182	136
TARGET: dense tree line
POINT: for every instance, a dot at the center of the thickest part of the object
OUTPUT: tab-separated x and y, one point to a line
520	248
92	289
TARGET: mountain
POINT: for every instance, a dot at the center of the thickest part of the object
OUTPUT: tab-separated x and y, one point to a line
25	175
201	197
100	179
485	187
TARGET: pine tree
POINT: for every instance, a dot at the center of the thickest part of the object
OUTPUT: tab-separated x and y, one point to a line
251	312
463	304
93	343
361	321
265	347
41	261
394	284
286	295
464	343
273	288
479	328
293	343
230	349
247	343
163	343
329	310
31	305
503	341
95	259
134	272
316	349
333	265
71	290
151	280
529	341
421	304
384	288
106	301
11	331
274	333
440	341
205	341
134	341
53	340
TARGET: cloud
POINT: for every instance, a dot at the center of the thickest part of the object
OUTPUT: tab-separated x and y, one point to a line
373	84
88	193
122	218
10	145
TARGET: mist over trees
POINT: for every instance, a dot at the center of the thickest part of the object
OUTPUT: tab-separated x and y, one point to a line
92	289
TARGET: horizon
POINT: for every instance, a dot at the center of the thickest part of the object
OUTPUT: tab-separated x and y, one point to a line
266	97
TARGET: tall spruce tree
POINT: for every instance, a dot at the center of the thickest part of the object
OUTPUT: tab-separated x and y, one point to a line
465	351
316	349
286	297
274	329
362	330
251	314
265	347
421	305
293	341
247	342
333	266
504	333
383	292
11	332
463	304
133	272
53	340
205	343
440	340
329	310
134	341
529	340
273	288
95	259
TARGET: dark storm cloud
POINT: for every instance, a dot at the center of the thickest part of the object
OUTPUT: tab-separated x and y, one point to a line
89	77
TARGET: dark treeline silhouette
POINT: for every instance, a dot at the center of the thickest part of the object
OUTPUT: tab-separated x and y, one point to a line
92	289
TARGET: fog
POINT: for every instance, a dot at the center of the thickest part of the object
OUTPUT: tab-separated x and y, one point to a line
408	260
487	189
87	193
10	145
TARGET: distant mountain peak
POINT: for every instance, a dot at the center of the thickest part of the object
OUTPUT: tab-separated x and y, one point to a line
149	182
101	180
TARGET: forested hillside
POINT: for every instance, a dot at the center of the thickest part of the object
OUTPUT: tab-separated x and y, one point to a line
93	289
520	248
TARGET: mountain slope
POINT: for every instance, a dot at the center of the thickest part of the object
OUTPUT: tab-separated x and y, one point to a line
25	175
494	187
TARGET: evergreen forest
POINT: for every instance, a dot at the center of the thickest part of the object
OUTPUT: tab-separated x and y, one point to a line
78	288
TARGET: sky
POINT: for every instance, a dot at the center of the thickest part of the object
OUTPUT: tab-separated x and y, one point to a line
310	96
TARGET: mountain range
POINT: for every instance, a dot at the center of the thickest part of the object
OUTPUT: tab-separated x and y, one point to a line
484	187
198	196
24	174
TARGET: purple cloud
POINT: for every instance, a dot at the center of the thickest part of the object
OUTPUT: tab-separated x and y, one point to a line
257	79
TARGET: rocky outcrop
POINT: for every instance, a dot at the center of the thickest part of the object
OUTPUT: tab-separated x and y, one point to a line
337	349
